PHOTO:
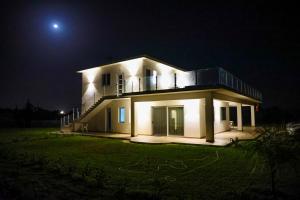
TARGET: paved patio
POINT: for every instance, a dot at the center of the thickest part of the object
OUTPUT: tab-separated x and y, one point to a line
221	139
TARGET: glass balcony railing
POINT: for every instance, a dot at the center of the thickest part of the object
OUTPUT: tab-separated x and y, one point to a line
219	76
201	77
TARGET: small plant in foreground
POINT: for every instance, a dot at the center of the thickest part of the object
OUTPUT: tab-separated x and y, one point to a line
277	148
235	142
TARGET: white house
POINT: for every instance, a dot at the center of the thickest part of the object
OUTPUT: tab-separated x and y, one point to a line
146	96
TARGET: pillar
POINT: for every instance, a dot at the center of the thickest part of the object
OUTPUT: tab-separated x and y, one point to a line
209	118
132	116
252	116
239	117
228	127
227	112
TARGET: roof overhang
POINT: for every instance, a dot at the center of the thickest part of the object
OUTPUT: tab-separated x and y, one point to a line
132	59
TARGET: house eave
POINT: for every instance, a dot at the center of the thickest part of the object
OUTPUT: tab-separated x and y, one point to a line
133	58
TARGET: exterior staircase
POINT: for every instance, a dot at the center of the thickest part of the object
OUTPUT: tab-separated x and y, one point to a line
67	128
94	106
73	126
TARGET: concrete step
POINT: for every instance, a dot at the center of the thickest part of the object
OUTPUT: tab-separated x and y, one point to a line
67	128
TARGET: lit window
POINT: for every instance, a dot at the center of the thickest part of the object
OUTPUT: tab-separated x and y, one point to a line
121	115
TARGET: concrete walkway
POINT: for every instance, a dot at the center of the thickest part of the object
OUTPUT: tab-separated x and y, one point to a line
123	136
176	140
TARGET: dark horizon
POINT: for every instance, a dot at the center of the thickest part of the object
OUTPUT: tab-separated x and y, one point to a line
258	42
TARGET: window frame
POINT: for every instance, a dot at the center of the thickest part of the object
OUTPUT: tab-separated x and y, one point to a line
120	116
106	79
223	113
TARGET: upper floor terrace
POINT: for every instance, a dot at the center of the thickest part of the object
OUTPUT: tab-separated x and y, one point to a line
147	75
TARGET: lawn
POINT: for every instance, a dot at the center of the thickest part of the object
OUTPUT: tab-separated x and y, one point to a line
37	163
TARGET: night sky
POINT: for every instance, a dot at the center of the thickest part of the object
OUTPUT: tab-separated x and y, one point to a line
258	42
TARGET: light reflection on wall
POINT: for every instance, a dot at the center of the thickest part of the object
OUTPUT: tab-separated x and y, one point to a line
183	79
217	105
90	95
166	79
132	65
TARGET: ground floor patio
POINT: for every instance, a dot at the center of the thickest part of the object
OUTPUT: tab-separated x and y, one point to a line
221	139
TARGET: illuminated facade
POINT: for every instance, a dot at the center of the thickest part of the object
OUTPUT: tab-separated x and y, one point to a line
146	96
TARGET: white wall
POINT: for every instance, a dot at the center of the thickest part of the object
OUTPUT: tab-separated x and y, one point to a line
165	75
220	125
98	122
92	80
143	116
134	72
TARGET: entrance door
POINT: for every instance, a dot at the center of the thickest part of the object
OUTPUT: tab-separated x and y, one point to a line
108	120
176	123
159	121
148	79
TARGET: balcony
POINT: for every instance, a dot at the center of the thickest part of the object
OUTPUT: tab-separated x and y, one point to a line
198	78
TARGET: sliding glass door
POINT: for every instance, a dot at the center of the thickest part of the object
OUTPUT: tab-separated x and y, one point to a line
176	122
159	121
167	117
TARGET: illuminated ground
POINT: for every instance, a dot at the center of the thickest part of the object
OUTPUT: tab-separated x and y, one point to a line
37	163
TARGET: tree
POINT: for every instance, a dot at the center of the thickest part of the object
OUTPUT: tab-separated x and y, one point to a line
28	113
277	147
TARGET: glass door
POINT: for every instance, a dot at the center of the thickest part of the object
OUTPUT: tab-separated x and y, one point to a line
108	120
176	122
159	121
148	79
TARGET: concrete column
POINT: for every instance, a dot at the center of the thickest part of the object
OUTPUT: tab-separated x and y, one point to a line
227	112
132	116
209	118
252	116
239	117
228	127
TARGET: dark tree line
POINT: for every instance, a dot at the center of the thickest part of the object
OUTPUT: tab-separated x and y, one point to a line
25	116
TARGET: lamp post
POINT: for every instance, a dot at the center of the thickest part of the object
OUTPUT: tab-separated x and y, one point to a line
62	119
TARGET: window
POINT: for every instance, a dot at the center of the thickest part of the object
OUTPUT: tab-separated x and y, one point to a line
122	115
223	113
105	79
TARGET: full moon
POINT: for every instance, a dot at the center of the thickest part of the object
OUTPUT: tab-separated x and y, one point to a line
55	26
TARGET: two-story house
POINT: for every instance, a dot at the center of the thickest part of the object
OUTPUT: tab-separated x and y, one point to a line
146	96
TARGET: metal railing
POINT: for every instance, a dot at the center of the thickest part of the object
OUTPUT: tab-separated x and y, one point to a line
219	76
201	77
69	118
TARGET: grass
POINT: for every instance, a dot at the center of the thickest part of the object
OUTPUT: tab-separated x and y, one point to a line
36	163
